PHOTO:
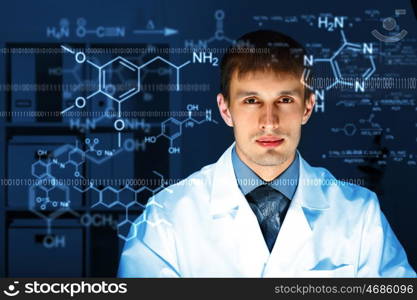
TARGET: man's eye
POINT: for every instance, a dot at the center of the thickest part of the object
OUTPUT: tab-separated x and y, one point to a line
250	101
286	100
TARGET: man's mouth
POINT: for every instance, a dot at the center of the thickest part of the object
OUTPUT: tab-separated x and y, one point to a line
269	141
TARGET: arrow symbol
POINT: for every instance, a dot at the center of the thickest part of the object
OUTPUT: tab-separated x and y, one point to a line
166	31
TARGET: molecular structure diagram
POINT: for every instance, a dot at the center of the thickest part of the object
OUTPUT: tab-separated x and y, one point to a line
73	73
87	124
338	63
132	200
47	189
171	128
219	35
117	94
373	129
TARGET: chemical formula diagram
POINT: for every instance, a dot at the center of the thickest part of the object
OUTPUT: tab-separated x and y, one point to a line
120	93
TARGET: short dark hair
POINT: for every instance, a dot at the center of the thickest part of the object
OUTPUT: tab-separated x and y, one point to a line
262	50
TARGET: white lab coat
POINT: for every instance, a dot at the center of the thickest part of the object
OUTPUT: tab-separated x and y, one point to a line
204	227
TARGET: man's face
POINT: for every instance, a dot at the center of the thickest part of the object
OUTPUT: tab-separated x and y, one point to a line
266	112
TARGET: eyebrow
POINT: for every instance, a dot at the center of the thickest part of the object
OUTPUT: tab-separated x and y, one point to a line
295	92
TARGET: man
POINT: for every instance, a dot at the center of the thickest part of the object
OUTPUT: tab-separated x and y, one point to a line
261	210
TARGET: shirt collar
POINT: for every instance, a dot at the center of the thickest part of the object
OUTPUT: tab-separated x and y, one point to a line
248	180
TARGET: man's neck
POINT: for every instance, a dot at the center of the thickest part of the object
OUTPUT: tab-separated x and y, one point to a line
267	173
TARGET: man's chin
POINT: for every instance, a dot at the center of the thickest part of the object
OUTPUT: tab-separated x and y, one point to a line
269	160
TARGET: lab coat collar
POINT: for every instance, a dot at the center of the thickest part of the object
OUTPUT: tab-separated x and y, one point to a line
225	193
311	187
226	196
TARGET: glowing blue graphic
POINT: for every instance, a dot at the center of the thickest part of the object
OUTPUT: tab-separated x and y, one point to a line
172	128
219	35
355	50
113	92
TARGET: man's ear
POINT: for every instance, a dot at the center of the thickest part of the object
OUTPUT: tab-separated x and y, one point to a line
224	110
308	110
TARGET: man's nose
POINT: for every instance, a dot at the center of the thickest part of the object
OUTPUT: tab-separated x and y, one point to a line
269	117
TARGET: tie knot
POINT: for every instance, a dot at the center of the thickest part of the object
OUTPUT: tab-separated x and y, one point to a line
264	193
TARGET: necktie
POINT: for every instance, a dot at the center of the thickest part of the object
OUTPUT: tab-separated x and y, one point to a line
270	207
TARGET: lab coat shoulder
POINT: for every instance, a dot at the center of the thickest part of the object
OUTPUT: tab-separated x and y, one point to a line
191	193
355	212
151	249
381	253
344	204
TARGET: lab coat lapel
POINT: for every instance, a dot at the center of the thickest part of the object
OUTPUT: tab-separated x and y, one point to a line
229	207
294	247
